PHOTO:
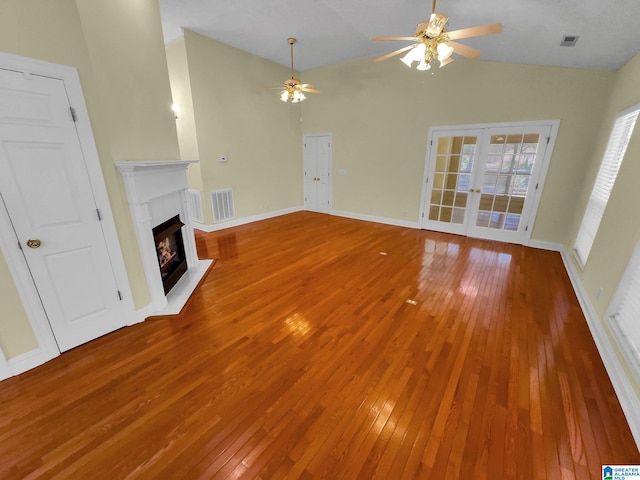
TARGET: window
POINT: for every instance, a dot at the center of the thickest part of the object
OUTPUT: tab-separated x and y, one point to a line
624	311
613	155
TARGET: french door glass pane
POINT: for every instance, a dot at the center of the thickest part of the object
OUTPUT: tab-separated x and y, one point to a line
506	178
454	163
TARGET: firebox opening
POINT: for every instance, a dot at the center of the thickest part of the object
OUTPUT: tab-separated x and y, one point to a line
170	250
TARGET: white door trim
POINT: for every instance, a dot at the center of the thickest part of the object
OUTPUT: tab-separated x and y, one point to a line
8	244
554	124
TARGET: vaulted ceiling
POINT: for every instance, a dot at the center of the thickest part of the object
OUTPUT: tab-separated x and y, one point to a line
333	31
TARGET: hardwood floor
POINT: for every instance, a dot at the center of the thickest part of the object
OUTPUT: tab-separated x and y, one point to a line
300	356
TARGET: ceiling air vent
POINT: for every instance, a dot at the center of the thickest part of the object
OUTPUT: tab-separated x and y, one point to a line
569	41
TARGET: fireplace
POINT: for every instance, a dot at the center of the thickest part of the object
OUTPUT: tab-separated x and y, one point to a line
157	190
170	250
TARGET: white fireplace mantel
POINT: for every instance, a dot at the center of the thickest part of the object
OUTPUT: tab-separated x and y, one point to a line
157	191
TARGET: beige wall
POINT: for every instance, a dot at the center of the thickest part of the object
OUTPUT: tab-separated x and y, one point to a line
237	115
186	122
380	115
118	50
16	336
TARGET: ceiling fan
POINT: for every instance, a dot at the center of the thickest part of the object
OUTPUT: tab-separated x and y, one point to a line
294	88
432	41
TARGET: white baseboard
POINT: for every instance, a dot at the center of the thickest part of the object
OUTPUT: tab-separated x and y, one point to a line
375	219
541	244
142	313
5	369
337	213
27	361
244	220
629	401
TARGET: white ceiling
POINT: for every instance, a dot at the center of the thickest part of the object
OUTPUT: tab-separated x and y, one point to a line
333	31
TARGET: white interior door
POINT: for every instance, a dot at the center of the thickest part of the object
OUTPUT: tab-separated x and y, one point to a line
317	173
485	182
46	191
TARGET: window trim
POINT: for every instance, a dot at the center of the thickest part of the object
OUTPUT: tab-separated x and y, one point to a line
631	353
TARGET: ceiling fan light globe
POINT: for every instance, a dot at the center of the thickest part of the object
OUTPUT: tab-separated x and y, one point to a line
416	54
408	59
284	96
444	51
423	66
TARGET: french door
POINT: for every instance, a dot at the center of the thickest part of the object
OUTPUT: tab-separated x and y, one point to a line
484	182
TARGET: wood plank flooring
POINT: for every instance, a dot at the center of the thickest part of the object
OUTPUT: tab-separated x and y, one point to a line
299	357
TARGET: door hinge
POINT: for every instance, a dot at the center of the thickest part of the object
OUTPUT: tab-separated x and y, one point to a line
99	214
427	180
431	143
74	117
537	185
120	295
526	228
548	139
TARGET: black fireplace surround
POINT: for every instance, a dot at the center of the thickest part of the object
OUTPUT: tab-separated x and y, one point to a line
170	249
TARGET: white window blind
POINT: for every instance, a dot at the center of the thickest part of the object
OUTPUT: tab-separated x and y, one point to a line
613	155
626	312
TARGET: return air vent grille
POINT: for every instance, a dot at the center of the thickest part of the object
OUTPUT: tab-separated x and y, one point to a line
222	205
194	200
569	41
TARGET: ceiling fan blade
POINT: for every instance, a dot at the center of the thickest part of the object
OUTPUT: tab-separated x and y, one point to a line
388	39
310	90
475	31
393	54
464	50
446	62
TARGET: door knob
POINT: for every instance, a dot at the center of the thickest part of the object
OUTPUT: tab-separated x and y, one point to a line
33	243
